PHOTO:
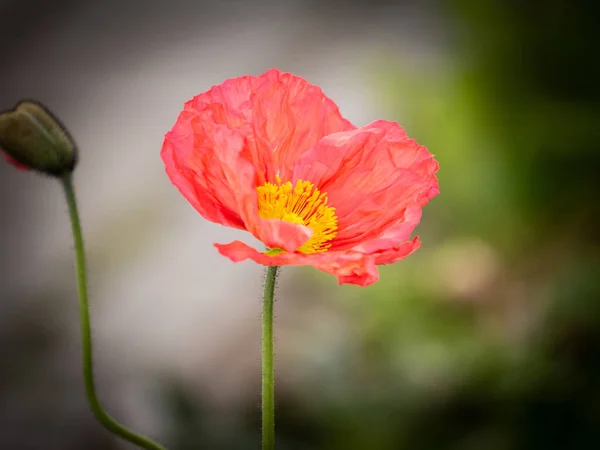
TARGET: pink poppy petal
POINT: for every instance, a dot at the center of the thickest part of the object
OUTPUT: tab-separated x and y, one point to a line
397	253
398	233
371	176
288	236
197	161
227	140
290	116
350	267
230	104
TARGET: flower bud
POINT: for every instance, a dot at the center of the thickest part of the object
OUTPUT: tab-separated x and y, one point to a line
32	137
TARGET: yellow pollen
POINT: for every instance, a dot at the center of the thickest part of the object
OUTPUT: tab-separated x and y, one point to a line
303	204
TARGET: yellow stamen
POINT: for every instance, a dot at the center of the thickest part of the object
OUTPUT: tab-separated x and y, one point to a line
303	204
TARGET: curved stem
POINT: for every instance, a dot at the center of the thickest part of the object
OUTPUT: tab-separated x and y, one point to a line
268	378
86	333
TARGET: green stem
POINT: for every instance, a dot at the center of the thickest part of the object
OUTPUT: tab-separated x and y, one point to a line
86	333
268	378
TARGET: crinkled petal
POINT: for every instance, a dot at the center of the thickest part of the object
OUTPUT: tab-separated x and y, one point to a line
213	169
288	236
349	267
236	136
400	232
396	253
371	175
290	116
282	116
231	106
202	158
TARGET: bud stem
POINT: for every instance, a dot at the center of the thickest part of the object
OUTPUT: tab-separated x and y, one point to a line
86	333
268	378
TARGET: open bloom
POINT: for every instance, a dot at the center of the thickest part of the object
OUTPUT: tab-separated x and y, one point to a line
271	154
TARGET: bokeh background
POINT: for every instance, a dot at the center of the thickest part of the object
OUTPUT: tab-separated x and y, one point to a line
487	338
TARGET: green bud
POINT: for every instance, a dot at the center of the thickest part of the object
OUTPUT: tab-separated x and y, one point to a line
33	137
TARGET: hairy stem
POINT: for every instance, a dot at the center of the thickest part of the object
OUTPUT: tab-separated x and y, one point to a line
268	379
86	332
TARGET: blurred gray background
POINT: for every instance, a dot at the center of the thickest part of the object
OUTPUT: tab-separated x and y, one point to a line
457	347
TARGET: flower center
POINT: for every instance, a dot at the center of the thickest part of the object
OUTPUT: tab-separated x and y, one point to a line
303	204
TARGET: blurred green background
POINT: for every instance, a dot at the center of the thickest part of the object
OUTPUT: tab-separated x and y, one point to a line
489	336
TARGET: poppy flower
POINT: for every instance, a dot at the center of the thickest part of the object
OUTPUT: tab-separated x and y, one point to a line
272	155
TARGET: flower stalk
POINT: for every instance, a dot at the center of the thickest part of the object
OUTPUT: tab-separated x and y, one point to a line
268	367
86	332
